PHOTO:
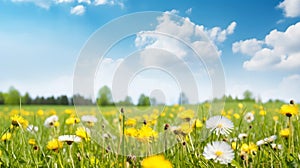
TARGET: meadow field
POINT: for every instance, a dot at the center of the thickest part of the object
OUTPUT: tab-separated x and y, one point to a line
244	134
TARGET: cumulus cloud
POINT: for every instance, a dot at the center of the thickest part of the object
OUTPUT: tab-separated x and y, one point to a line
279	50
63	1
291	8
196	36
84	1
77	10
247	47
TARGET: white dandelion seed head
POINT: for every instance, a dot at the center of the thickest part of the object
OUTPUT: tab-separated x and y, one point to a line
89	118
249	117
219	151
220	125
49	122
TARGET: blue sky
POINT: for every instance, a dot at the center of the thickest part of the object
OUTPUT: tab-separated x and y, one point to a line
40	41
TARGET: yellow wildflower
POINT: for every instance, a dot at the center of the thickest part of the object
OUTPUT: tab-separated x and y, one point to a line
130	122
17	120
262	112
198	124
83	133
289	110
54	145
157	161
236	116
31	141
72	120
285	133
6	136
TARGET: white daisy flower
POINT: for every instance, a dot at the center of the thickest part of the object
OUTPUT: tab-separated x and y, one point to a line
270	139
32	129
219	125
219	151
89	119
249	117
260	142
276	146
69	139
266	140
242	136
49	122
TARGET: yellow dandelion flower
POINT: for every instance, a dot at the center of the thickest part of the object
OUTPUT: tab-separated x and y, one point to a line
6	136
289	110
72	120
83	133
223	113
240	105
54	144
262	112
163	114
157	161
69	111
236	116
187	114
146	133
249	148
40	112
130	132
17	120
31	141
285	133
130	122
198	124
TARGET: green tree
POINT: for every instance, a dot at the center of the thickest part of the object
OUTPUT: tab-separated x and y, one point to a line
104	97
126	102
248	96
26	99
144	100
1	98
12	97
63	100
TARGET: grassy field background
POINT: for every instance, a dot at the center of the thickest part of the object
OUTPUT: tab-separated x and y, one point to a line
144	131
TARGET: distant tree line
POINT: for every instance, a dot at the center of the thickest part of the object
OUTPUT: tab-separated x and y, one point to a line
104	98
13	97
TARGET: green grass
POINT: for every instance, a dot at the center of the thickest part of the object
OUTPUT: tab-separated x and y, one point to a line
183	150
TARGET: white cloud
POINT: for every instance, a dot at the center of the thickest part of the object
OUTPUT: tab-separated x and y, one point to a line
63	1
84	1
101	2
40	3
78	10
279	50
291	8
189	11
247	47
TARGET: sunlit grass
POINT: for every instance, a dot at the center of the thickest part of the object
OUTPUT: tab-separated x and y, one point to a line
179	132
